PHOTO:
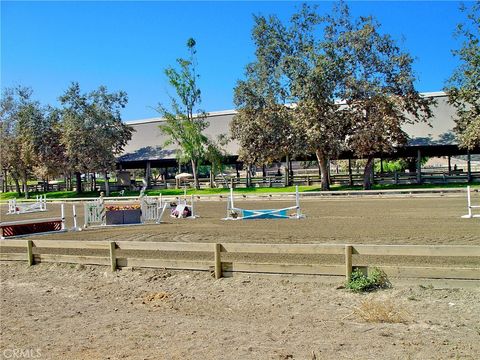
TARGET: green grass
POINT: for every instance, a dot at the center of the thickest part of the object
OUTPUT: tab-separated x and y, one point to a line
72	194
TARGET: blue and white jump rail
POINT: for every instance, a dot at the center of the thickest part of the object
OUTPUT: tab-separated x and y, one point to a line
470	207
234	213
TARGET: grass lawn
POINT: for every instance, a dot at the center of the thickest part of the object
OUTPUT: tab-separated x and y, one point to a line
72	194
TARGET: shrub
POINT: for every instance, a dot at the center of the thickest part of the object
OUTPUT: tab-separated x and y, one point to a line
359	282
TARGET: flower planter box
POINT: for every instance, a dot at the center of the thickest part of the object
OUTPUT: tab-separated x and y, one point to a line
118	217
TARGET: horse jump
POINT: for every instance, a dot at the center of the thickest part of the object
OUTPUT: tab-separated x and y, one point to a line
36	226
470	207
234	213
152	210
15	207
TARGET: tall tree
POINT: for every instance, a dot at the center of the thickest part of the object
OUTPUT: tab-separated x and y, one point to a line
21	124
263	124
378	87
464	85
315	73
93	133
181	126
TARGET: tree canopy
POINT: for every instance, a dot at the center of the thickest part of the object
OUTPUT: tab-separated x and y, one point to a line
93	133
464	85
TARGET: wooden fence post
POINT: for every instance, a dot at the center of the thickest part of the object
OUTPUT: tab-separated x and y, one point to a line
348	262
218	261
30	252
113	258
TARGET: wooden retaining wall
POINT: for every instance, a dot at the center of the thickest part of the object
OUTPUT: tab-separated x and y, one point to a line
25	250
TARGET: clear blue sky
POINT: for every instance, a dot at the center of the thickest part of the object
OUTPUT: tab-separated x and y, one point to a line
126	45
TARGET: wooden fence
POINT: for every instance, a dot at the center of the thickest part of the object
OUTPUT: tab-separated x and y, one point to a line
28	250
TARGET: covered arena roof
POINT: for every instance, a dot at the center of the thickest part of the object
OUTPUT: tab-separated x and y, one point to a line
147	141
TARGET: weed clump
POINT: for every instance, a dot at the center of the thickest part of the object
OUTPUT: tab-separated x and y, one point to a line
376	311
359	282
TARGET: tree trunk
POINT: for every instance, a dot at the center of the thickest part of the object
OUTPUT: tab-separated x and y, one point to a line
17	186
249	174
212	177
195	176
287	171
94	182
5	180
323	165
107	185
78	177
367	174
25	184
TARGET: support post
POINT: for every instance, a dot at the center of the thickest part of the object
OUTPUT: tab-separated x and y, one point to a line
62	209
192	199
297	201
74	211
148	173
469	204
30	252
469	167
449	165
113	258
348	262
419	166
350	178
218	261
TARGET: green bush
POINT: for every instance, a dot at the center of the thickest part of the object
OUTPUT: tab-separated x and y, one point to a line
359	282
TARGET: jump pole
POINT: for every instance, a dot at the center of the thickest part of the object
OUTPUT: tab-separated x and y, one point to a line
470	206
193	209
297	199
62	211
74	212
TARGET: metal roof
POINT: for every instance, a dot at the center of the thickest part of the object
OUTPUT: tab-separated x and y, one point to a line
147	141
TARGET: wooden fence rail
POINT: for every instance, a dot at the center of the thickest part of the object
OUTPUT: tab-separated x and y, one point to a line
11	250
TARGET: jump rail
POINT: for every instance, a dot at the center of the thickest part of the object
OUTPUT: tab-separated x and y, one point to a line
219	266
234	213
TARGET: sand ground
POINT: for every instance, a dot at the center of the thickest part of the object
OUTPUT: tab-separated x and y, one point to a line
84	312
88	312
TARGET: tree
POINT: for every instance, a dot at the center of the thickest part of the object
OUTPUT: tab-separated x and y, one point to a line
263	124
464	85
378	87
93	133
181	126
22	120
315	72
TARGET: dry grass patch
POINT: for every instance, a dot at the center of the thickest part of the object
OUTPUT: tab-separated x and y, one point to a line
155	297
381	311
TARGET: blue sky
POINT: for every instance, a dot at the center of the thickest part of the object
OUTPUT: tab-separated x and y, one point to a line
126	45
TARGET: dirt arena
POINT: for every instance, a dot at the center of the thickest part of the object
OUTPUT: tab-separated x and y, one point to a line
60	311
393	220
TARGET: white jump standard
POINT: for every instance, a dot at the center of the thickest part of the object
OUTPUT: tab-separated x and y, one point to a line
15	207
150	210
470	207
234	213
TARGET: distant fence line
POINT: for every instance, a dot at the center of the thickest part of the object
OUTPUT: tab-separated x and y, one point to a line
355	179
219	266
